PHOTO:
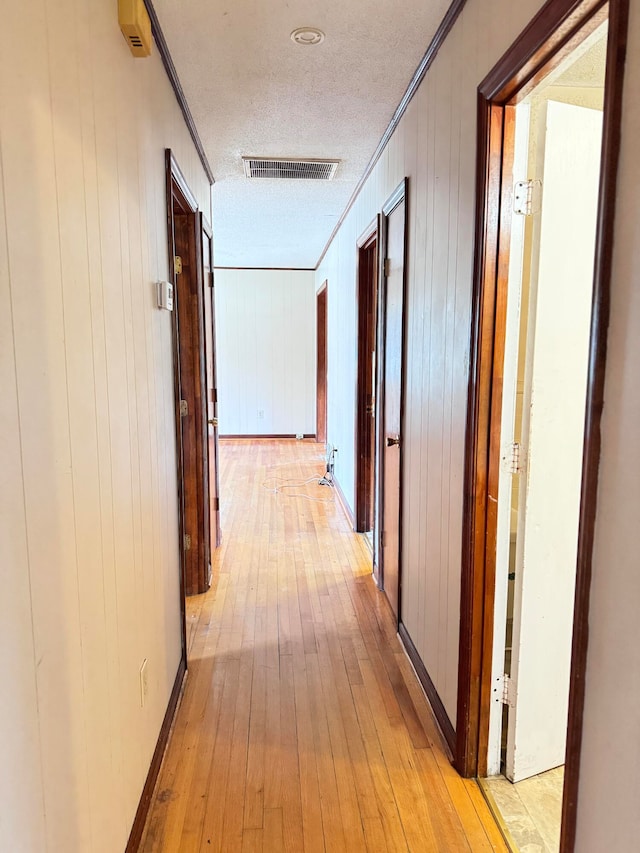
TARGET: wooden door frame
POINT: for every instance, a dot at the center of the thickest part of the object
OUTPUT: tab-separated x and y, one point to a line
399	195
174	180
179	193
322	328
365	294
551	35
214	492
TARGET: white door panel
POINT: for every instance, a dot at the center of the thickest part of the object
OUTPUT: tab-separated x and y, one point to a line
553	424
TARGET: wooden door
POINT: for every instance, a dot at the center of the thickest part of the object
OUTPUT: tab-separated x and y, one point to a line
392	383
552	440
366	380
211	383
321	364
193	406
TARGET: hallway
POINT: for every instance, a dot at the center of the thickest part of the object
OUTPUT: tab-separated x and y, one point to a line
302	726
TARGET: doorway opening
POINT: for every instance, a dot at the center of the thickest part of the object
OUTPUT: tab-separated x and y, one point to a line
548	119
556	137
321	364
365	444
209	301
190	250
391	340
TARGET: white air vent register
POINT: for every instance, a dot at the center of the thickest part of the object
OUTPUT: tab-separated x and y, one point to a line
290	170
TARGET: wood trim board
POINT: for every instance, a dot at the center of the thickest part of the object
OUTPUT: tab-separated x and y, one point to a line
172	74
616	53
399	195
189	201
171	169
367	288
135	836
538	48
446	727
344	503
435	44
270	436
268	269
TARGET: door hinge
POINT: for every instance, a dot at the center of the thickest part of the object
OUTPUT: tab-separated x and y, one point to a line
507	690
184	408
210	277
514	458
216	504
387	267
527	196
177	264
187	542
382	538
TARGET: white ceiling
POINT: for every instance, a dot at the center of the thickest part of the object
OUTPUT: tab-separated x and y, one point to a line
252	91
587	64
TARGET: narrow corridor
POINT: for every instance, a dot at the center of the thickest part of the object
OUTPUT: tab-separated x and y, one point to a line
302	726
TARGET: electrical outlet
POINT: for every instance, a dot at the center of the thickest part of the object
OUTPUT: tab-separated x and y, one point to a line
260	414
144	683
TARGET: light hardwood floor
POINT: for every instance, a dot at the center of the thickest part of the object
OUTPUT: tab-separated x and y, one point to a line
302	726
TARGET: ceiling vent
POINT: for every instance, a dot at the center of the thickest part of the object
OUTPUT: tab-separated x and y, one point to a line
290	170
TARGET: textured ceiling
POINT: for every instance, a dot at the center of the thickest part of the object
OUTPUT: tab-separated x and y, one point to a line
252	91
587	65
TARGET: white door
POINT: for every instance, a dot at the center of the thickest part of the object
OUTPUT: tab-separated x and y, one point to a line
552	432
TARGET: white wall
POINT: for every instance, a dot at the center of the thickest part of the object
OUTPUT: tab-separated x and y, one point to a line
265	345
608	816
435	146
88	507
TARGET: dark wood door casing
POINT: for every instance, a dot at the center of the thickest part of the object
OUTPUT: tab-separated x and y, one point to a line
321	363
209	304
391	393
554	32
185	240
367	380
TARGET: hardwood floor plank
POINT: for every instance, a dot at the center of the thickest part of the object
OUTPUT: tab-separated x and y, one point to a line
291	799
273	831
217	787
309	789
252	841
374	835
302	727
329	799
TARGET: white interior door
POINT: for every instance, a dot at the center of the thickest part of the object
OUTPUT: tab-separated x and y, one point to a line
552	437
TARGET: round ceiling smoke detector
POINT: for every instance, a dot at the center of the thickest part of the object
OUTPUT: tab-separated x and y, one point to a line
307	35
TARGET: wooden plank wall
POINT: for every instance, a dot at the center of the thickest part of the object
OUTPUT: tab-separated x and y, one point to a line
265	340
435	146
88	505
608	818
